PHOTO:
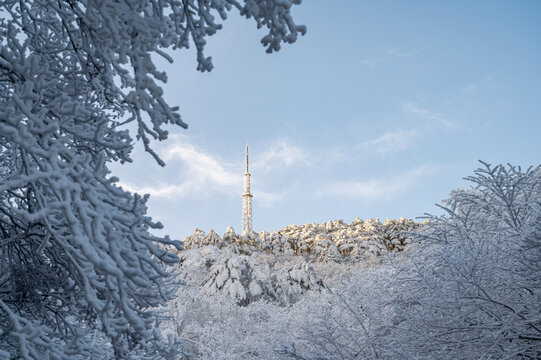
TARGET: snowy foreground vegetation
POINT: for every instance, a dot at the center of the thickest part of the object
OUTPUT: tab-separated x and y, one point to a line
82	276
465	285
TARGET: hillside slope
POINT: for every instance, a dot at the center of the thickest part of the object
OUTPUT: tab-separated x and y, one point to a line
245	297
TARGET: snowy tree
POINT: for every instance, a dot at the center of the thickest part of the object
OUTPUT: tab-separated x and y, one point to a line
471	289
241	277
468	287
244	307
352	321
194	240
212	238
80	272
294	281
246	279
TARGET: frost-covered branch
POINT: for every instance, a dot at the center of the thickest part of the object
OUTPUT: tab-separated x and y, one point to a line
77	259
466	291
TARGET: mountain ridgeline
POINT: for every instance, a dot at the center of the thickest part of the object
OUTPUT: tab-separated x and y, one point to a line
331	241
463	285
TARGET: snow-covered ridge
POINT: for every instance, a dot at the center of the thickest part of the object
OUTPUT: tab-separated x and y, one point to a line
281	267
467	283
330	241
242	289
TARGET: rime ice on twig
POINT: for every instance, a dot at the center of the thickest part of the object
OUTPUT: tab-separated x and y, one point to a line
80	273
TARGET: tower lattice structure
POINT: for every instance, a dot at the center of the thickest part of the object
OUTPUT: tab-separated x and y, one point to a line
247	202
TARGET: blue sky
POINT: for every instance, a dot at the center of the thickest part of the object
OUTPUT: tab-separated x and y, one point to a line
379	111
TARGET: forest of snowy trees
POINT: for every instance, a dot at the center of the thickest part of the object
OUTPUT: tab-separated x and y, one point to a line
465	284
83	277
334	240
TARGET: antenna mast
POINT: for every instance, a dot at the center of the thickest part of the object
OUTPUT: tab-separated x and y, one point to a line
246	158
246	202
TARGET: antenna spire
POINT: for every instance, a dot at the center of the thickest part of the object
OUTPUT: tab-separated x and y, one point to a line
247	202
246	158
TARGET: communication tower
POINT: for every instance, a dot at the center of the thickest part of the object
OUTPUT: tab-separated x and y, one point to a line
246	202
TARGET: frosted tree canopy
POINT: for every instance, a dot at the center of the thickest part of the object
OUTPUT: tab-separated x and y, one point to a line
80	272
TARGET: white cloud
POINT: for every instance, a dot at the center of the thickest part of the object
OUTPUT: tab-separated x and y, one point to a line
190	171
281	154
390	142
193	172
411	108
378	189
203	167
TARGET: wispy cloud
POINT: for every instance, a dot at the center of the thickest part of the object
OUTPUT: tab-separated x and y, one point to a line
386	55
377	189
391	142
281	154
400	52
411	108
190	170
194	172
369	62
486	83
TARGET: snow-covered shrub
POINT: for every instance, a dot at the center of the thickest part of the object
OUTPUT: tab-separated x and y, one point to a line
211	238
397	232
247	244
352	321
472	287
241	277
263	239
325	248
204	256
230	237
293	282
195	240
247	278
280	243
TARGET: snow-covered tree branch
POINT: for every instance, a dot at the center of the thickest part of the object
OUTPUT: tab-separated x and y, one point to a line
473	286
80	272
466	287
